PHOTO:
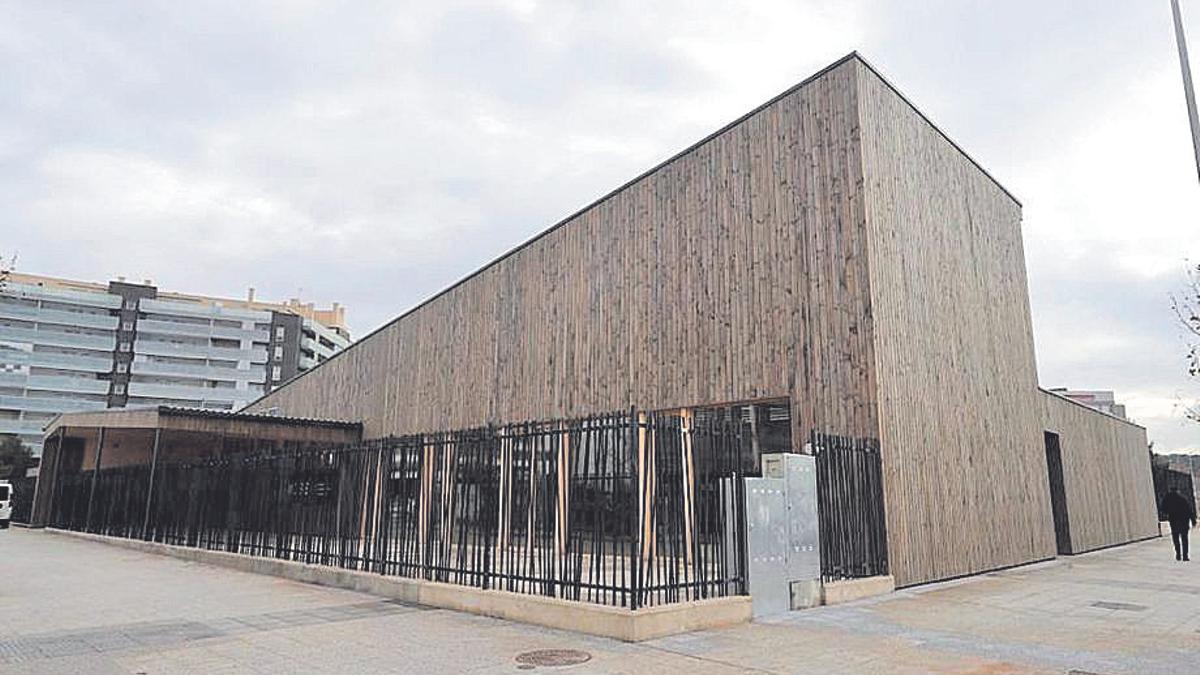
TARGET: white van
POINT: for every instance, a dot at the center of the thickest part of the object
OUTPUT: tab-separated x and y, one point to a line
6	496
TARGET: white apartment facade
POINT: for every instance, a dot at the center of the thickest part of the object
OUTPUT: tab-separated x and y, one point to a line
1098	399
68	346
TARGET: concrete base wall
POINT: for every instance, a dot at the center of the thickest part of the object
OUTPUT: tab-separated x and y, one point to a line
612	622
849	590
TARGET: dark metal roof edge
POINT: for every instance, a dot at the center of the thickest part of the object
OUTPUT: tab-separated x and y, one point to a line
174	411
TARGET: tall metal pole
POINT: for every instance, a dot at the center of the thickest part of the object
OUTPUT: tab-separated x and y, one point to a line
1188	92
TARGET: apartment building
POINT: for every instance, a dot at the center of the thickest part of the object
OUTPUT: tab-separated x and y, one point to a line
71	345
1103	400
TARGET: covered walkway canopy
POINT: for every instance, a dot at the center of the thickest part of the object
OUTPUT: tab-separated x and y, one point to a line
104	439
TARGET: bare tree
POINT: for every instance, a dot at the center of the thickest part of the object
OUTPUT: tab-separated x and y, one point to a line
1187	308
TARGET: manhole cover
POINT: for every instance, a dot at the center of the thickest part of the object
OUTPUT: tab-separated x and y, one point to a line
553	657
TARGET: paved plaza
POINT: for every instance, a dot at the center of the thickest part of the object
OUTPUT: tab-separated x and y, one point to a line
73	606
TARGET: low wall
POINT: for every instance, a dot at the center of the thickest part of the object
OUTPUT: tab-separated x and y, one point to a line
613	622
849	590
1106	475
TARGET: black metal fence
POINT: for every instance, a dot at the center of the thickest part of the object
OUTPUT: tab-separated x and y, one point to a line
22	498
629	509
1166	478
850	501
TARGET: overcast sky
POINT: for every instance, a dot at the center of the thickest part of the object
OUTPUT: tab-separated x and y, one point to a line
373	153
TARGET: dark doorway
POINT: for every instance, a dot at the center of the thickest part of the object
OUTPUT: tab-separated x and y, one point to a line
1058	494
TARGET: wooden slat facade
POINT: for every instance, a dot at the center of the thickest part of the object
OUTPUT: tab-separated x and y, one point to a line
735	271
965	471
832	247
1106	473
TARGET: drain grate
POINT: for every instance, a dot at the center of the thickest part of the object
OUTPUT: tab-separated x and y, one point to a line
553	658
1120	606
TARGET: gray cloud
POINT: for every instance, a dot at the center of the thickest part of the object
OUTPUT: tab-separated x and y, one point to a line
373	153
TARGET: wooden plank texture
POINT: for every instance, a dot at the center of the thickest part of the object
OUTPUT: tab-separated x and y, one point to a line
964	467
735	271
1106	473
832	247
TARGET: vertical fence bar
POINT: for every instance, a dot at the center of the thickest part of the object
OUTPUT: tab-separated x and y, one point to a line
629	509
95	478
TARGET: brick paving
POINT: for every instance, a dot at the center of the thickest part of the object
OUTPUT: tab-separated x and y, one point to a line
72	606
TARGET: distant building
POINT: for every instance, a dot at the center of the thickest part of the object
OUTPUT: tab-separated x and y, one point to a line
72	345
1184	464
1101	400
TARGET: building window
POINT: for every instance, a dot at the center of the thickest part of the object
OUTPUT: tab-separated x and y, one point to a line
766	429
276	373
278	332
122	367
126	325
278	353
131	303
118	389
124	346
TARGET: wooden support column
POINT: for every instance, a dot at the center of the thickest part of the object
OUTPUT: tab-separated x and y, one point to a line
377	519
95	474
150	487
446	521
647	479
686	424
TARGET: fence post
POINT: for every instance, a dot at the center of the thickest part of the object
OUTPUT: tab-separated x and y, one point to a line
150	486
381	483
87	525
493	452
635	531
688	464
504	493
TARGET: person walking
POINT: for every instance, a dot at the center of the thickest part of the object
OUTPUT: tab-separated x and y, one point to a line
1180	513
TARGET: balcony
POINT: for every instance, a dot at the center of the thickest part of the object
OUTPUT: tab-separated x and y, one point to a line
96	299
74	385
50	405
22	427
180	391
83	364
205	311
176	328
254	374
58	316
143	346
45	337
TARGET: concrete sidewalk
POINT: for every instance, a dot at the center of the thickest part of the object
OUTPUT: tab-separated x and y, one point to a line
73	606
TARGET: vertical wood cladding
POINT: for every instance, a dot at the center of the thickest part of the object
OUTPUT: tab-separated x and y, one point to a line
735	271
965	469
1106	473
831	246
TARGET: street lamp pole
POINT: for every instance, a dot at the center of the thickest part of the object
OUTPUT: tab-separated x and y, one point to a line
1188	92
